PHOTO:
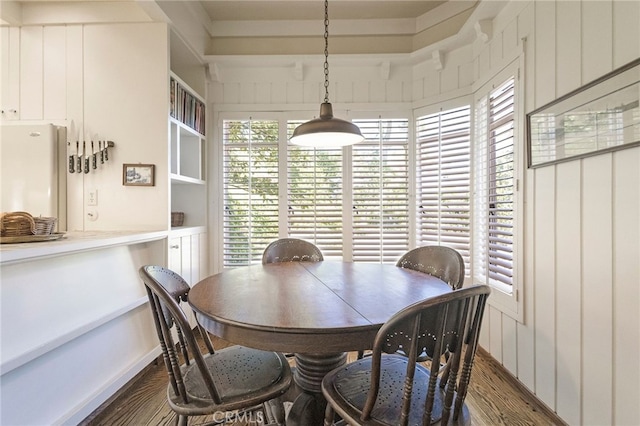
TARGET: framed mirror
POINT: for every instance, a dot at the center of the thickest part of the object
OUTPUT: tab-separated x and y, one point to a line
601	116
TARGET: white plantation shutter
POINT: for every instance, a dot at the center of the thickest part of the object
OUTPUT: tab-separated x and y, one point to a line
380	191
314	194
250	189
443	160
495	187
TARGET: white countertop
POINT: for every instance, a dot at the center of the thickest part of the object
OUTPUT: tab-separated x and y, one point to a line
75	242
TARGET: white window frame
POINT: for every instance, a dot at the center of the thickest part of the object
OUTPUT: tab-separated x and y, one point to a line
506	299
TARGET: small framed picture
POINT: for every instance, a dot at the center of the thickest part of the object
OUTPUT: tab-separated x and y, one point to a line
138	174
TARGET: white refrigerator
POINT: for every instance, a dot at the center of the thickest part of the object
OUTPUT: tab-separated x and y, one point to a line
32	172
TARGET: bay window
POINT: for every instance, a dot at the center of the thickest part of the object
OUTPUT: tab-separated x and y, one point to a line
373	201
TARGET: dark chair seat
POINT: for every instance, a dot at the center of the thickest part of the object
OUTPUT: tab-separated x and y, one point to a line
354	383
239	373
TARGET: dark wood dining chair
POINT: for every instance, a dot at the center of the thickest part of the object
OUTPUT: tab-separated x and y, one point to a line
439	261
390	389
178	288
291	250
214	383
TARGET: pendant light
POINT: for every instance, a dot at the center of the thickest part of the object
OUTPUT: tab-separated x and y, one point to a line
326	131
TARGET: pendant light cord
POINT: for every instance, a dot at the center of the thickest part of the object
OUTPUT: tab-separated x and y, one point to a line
326	51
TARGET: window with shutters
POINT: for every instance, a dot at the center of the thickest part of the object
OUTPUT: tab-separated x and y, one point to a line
314	196
250	189
372	226
443	175
495	188
381	191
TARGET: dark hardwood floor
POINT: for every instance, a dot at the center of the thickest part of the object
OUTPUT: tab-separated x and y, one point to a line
494	398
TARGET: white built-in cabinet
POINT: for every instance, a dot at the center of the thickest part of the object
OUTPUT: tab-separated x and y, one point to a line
188	242
10	72
185	251
187	256
33	76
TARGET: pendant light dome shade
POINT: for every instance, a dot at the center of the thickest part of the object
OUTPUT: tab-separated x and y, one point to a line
326	131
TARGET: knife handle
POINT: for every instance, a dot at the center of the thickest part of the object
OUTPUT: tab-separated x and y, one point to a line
86	164
94	160
72	164
79	166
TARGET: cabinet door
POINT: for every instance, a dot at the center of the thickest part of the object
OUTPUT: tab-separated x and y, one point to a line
31	73
203	263
175	255
185	259
195	259
10	72
180	263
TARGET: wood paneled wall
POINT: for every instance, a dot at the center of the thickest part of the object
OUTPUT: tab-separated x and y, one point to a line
579	344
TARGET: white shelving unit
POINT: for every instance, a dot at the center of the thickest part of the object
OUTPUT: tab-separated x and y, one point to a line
188	251
188	153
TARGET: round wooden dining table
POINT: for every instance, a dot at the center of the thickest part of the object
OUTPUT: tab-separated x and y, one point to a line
317	310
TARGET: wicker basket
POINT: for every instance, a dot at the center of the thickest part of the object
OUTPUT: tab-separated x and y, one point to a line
16	224
177	218
44	225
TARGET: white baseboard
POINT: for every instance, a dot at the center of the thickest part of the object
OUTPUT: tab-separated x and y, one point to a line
97	398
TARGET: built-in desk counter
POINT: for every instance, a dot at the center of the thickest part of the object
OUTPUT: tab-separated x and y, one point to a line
73	242
75	325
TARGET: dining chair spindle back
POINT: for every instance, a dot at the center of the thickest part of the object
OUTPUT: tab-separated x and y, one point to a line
391	389
220	382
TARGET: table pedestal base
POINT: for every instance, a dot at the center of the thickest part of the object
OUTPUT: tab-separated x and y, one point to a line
308	407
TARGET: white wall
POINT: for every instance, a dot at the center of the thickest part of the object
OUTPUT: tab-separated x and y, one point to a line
579	344
101	81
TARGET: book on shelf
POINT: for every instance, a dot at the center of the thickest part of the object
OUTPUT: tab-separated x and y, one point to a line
186	108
